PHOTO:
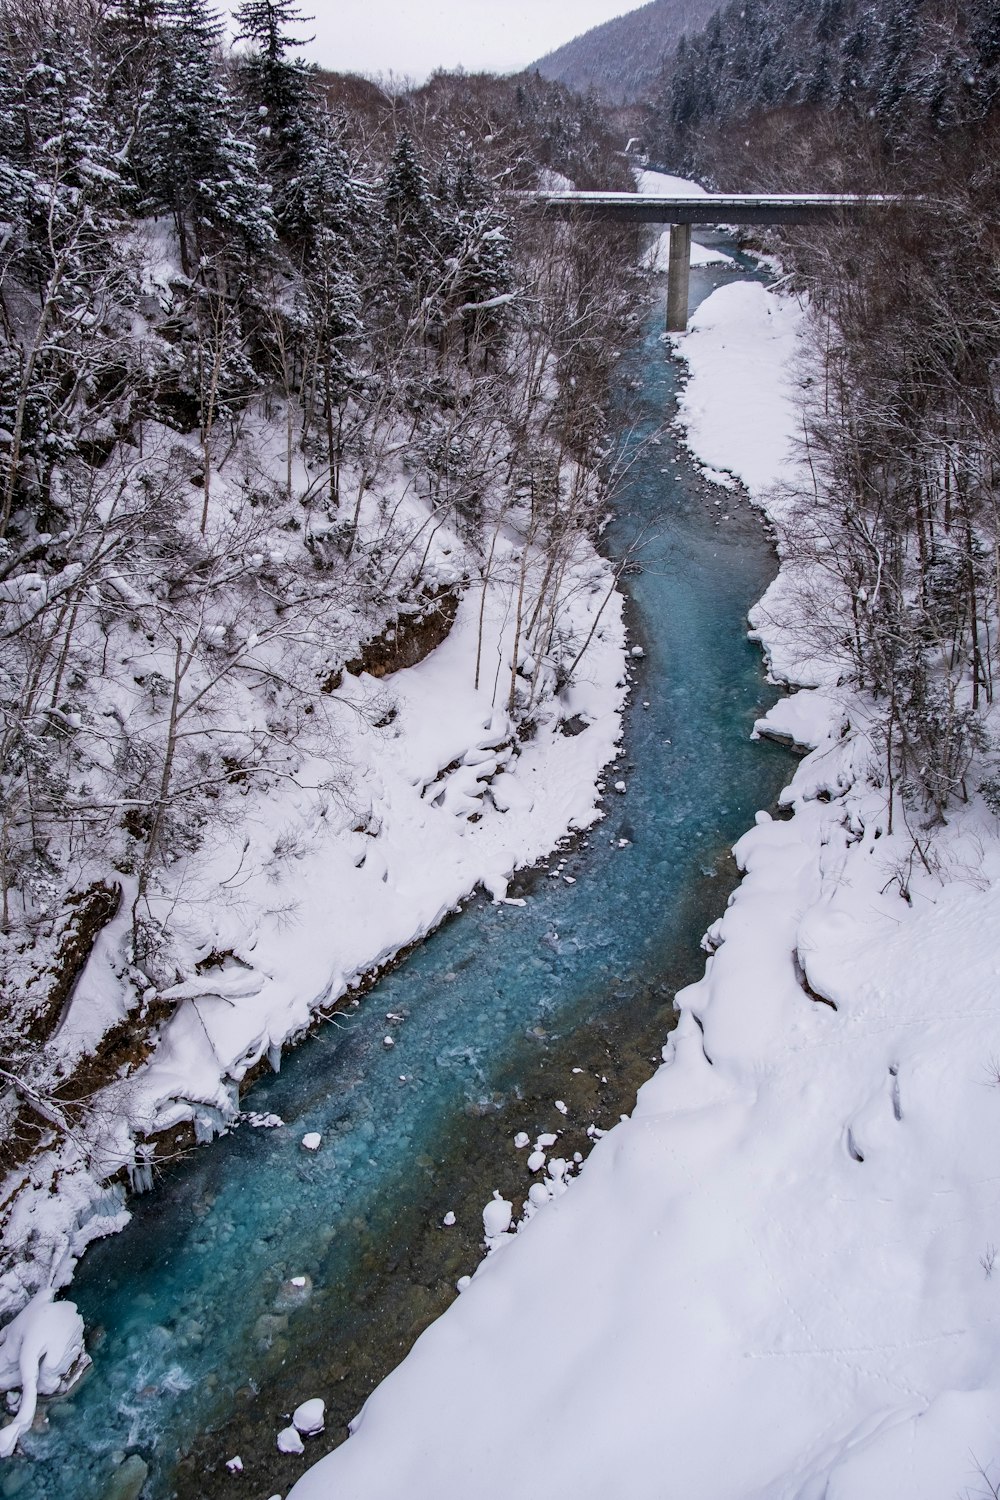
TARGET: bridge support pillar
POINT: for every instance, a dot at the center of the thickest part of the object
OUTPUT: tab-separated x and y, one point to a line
678	277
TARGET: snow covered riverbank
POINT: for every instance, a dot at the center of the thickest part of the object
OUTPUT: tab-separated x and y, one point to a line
775	1279
308	894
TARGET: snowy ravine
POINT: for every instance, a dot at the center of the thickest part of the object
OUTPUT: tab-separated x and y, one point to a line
431	796
776	1278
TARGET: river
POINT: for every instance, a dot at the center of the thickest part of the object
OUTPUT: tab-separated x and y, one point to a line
257	1274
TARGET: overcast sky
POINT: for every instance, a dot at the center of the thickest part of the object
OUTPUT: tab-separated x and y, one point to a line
413	37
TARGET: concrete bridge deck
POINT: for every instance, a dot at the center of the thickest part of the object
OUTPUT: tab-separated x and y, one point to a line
709	208
716	208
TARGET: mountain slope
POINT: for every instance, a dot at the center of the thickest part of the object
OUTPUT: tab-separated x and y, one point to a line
622	58
909	71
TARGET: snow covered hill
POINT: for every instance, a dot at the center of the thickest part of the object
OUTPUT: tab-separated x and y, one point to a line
622	58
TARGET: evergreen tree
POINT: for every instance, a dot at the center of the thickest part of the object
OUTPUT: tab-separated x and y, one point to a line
410	224
985	40
59	164
335	207
897	43
199	167
474	242
818	87
15	179
129	42
279	90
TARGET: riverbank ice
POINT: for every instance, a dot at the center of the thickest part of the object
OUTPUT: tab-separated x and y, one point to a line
776	1277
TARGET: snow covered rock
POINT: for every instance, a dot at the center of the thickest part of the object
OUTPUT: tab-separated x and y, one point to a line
41	1353
309	1416
312	1140
497	1216
289	1441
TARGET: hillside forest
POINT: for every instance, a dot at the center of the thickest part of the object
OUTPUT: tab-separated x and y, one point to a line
268	336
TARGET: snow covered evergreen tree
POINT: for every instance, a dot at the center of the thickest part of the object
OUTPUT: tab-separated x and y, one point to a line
410	225
199	166
279	91
476	246
911	67
67	288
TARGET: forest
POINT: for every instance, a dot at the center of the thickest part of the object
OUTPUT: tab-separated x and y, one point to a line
267	335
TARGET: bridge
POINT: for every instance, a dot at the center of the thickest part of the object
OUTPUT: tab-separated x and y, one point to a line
679	213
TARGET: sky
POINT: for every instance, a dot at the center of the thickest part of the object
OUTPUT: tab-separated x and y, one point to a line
413	37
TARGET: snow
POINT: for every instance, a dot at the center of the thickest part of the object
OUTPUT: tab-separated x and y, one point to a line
289	1441
308	1418
802	720
737	408
41	1352
775	1279
413	792
497	1216
657	257
550	181
312	1140
666	185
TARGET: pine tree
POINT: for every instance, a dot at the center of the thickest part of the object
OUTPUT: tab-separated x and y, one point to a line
333	208
199	167
897	43
128	43
818	87
474	243
15	180
279	90
61	168
985	41
410	227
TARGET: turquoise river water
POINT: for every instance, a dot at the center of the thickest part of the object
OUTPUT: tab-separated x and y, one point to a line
201	1342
